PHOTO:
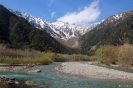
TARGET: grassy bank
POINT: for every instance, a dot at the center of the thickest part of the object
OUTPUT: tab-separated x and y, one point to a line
118	55
27	56
26	60
30	56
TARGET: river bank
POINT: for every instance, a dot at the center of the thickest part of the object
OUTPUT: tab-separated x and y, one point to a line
13	68
92	71
7	82
49	77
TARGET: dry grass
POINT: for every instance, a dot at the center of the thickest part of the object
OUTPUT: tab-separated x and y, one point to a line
18	53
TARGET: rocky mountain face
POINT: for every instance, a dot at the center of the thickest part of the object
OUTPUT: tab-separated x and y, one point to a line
18	33
115	30
62	31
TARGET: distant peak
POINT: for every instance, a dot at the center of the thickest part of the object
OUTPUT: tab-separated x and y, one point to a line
57	28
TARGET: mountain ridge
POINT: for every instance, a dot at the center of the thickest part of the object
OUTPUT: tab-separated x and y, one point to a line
114	30
61	31
18	33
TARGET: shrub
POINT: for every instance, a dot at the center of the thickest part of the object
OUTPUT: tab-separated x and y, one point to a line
58	58
121	55
125	55
107	54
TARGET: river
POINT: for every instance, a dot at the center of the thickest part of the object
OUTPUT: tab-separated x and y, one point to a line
50	78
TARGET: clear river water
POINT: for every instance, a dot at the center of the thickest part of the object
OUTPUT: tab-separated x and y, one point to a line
51	78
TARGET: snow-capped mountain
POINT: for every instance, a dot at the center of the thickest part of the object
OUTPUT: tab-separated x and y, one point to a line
36	21
71	30
57	29
64	32
115	19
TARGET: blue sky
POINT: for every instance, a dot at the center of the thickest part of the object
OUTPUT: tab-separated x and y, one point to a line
88	11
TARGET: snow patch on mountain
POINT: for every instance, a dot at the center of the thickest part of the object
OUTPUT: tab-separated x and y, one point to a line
57	29
118	16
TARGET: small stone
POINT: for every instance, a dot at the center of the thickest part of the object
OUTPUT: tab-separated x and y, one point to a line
10	82
29	83
16	82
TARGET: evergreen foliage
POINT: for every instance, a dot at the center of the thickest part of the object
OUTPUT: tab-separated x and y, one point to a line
117	33
17	33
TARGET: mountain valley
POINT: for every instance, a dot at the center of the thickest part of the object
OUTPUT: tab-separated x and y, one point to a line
75	44
82	35
114	30
64	32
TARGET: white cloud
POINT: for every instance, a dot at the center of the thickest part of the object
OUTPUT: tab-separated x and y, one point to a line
51	2
53	14
87	14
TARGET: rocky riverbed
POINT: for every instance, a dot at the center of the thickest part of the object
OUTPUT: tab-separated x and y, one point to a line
92	71
13	83
48	77
7	67
6	82
18	68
